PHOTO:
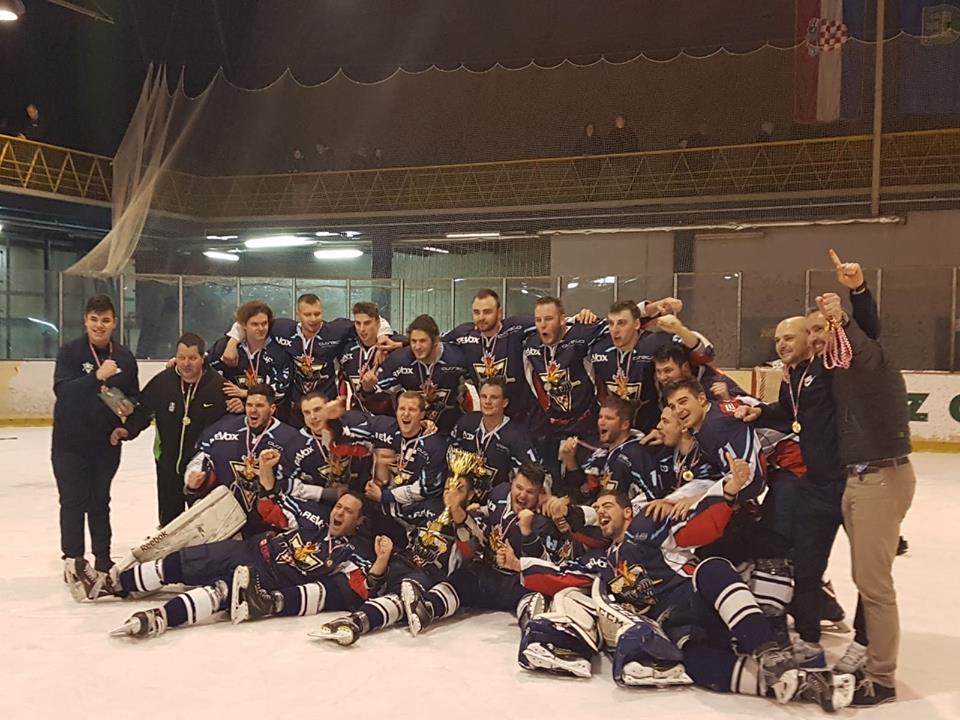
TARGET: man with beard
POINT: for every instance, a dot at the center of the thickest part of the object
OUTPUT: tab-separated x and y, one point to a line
317	565
437	370
621	463
183	400
673	362
229	453
502	442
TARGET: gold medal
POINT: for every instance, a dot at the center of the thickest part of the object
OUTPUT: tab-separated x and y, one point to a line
687	475
796	426
329	562
186	420
249	470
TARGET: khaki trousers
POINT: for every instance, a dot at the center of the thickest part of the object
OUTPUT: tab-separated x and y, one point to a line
874	504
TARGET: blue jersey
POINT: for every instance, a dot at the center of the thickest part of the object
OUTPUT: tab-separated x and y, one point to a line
271	365
434	543
500	525
499	356
229	451
721	433
443	383
355	360
654	559
314	360
321	463
631	375
420	469
637	471
561	379
503	450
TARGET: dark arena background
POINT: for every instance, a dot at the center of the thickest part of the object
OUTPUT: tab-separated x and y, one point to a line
184	157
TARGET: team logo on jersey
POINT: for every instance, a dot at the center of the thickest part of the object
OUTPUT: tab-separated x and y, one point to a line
302	555
497	540
430	545
436	399
250	378
622	388
87	367
489	367
558	386
632	584
310	373
246	482
607	482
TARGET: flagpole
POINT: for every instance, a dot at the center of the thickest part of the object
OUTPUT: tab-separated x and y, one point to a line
877	109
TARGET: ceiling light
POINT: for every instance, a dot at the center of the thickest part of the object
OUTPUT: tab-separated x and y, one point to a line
324	233
278	241
217	255
350	233
337	254
431	248
11	10
524	291
222	237
474	235
573	285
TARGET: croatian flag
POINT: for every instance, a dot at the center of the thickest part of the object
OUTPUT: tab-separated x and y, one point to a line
828	68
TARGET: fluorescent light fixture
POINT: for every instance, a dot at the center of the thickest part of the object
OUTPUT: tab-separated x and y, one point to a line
278	241
573	285
474	235
337	254
11	10
1	227
458	279
222	237
44	323
218	255
433	249
524	291
324	233
350	233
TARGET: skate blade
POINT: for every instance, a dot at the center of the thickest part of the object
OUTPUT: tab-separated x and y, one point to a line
78	592
341	636
128	629
407	598
239	610
837	628
540	658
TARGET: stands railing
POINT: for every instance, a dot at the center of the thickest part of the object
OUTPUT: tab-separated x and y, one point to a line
912	161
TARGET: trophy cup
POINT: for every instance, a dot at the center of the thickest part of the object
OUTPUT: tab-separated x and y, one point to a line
461	463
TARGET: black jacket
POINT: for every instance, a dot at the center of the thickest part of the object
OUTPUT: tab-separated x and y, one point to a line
80	418
621	140
871	403
163	399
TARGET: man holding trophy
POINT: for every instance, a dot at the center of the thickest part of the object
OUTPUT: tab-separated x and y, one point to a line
96	386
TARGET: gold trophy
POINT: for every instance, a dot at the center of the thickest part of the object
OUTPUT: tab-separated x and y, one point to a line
461	463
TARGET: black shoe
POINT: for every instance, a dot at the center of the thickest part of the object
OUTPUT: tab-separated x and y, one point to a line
902	546
831	691
418	611
870	693
249	601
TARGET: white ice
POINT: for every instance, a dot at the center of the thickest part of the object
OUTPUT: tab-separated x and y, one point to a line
58	661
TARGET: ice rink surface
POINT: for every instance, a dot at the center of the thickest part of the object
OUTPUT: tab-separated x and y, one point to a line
58	661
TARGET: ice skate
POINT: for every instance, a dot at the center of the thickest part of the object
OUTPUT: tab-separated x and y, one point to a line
538	656
146	623
637	674
853	659
343	631
419	612
778	671
249	601
831	691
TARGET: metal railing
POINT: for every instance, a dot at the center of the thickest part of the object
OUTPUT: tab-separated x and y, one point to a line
40	169
738	311
910	161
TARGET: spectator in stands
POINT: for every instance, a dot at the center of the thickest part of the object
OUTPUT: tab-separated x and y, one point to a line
766	132
360	159
696	139
621	138
34	128
296	161
590	143
377	160
326	157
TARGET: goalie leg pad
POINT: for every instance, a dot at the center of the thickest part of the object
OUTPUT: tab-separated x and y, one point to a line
645	656
218	516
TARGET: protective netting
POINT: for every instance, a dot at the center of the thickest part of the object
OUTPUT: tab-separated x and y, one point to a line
231	151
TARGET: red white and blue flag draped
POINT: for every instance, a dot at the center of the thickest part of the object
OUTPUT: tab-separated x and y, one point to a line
828	71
